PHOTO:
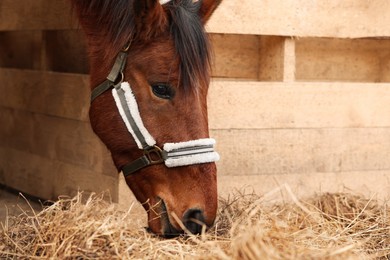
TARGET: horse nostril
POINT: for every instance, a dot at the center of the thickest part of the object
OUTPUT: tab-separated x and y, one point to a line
194	220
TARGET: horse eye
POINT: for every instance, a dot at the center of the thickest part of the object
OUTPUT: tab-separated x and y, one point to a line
162	91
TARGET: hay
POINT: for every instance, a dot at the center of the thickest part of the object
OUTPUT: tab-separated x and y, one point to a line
328	226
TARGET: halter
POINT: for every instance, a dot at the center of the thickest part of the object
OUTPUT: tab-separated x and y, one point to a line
171	154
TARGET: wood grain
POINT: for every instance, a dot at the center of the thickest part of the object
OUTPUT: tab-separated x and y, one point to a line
294	151
371	184
318	18
235	56
36	15
59	139
48	178
57	94
277	105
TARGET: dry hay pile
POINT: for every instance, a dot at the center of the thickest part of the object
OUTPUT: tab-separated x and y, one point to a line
329	226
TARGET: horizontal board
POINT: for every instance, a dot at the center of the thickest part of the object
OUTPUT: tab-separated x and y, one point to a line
371	184
47	178
51	93
292	151
265	105
59	51
352	18
35	15
64	140
272	57
65	51
323	59
321	18
235	56
21	49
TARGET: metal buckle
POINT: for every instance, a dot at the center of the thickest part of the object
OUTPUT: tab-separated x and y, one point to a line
154	154
119	79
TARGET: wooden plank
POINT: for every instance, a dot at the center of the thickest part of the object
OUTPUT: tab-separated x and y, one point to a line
64	140
235	56
271	62
292	151
385	71
21	49
35	15
350	19
47	178
362	60
66	51
58	94
319	18
265	105
289	58
60	51
372	184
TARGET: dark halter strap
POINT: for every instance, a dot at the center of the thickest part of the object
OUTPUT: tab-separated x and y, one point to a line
113	77
152	154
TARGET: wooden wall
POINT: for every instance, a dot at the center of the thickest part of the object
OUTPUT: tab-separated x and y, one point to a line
296	98
47	147
302	95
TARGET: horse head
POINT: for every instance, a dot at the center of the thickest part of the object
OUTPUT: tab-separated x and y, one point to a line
154	106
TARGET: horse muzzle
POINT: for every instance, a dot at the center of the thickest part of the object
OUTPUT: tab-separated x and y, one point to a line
192	222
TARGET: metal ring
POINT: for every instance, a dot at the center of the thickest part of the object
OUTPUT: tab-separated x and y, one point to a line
127	47
154	154
119	79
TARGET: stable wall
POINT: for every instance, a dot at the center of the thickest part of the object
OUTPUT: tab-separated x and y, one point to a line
304	99
311	113
47	147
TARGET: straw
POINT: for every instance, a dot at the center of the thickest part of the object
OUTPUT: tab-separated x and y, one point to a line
325	226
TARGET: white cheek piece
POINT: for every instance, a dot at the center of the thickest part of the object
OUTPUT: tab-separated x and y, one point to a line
162	2
172	154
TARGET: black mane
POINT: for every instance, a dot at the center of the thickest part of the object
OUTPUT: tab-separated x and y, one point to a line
191	42
115	16
186	28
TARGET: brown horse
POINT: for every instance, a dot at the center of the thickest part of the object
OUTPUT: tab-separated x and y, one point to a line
151	108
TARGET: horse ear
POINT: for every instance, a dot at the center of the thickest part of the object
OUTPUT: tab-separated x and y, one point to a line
207	8
150	18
